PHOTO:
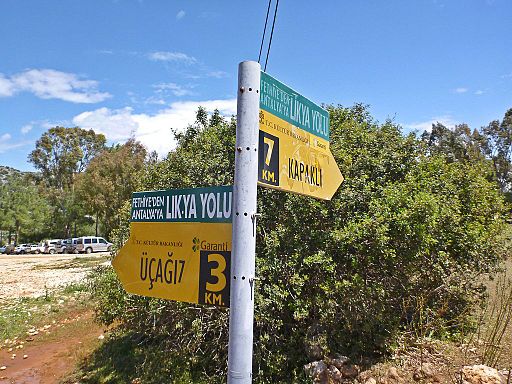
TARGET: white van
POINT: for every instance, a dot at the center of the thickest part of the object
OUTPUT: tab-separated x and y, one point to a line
89	244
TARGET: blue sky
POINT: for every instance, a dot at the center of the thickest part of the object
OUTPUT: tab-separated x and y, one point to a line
140	67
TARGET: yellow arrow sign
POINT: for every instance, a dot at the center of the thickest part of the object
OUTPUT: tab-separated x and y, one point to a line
294	160
179	260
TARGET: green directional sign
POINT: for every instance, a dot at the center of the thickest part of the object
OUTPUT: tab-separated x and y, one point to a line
206	205
179	246
288	105
294	152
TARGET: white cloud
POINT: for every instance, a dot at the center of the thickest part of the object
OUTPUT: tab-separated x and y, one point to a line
172	56
201	70
180	15
47	124
479	92
460	90
155	101
205	73
52	84
26	129
446	120
177	90
217	74
117	124
6	87
154	131
6	145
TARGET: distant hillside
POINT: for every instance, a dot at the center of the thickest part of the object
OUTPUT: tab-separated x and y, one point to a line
5	172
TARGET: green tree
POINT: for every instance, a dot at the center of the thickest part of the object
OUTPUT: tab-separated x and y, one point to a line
492	142
60	155
109	181
459	144
498	147
23	211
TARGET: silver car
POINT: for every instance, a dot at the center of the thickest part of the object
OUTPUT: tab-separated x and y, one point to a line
89	244
21	249
51	246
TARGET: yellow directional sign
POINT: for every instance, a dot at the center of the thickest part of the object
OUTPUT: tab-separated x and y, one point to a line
294	152
179	246
294	160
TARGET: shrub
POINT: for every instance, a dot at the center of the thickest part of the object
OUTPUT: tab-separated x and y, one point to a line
396	249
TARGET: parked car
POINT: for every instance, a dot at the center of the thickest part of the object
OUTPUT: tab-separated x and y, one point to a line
51	246
69	245
9	249
21	249
2	249
61	247
35	248
89	244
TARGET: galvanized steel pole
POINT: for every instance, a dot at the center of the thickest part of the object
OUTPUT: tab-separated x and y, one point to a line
241	316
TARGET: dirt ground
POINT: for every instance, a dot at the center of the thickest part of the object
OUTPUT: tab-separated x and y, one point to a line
52	355
36	275
51	352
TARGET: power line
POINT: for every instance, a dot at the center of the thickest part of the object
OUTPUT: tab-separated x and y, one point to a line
271	34
264	30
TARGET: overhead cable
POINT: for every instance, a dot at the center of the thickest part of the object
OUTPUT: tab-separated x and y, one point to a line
264	30
271	34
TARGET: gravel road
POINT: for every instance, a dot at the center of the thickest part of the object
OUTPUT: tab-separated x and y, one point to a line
35	275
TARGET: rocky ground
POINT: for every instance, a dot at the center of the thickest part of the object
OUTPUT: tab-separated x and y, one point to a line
433	367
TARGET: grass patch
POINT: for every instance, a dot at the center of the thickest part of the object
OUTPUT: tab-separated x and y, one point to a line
496	328
74	288
127	357
77	262
18	316
114	362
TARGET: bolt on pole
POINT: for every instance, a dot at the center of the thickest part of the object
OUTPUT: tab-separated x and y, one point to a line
241	315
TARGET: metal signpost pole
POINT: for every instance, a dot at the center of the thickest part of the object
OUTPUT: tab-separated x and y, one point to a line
241	315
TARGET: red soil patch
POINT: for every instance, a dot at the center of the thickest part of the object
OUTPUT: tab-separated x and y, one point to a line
53	355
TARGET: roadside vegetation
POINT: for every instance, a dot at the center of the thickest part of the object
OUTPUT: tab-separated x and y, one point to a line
494	331
400	252
396	263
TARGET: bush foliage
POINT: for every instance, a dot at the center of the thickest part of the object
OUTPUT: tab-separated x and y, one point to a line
398	248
